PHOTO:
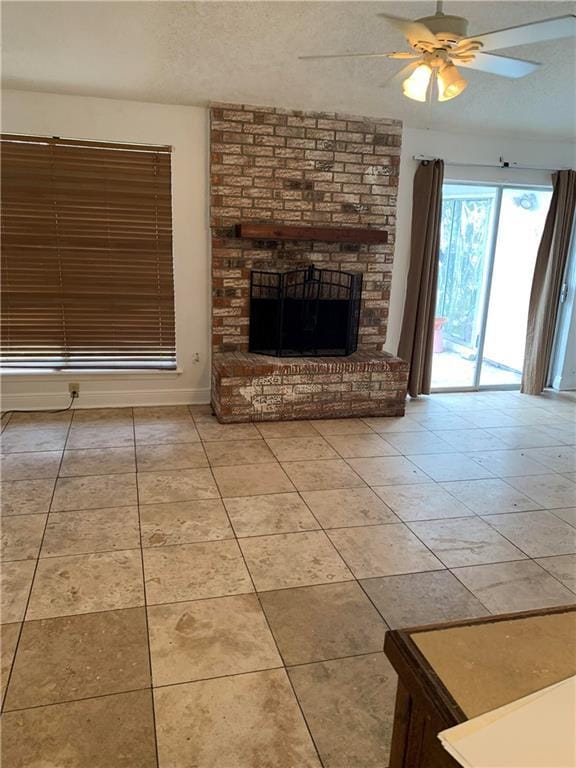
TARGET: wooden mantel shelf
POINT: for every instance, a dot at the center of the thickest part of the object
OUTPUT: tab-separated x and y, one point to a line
295	232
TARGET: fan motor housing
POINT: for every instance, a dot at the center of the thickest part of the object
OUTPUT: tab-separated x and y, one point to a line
446	28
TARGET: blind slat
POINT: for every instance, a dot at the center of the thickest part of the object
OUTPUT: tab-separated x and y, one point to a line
87	272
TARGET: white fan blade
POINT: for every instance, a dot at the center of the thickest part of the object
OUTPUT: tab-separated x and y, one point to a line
525	34
393	55
414	31
505	66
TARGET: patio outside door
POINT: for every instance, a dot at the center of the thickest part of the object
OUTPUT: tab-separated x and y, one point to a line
488	244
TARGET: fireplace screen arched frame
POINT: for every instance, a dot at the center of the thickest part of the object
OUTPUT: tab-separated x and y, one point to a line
304	312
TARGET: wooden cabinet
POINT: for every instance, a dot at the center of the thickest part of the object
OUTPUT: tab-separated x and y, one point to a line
449	673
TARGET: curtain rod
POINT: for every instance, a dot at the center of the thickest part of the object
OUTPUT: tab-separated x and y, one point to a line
502	164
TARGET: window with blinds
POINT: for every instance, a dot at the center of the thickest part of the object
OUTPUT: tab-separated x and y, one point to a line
87	273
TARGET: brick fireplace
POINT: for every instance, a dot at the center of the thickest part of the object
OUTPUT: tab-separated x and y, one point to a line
284	168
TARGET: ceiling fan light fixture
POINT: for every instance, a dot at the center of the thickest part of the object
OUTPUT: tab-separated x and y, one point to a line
416	86
450	83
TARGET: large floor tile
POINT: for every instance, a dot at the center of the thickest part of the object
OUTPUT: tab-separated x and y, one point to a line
568	514
322	475
382	550
341	426
245	721
385	424
518	586
229	453
349	706
416	599
29	466
523	437
193	571
98	530
449	466
489	418
40	419
557	459
348	506
273	513
209	638
98	461
180	485
85	583
562	567
106	732
163	413
563	433
549	491
286	429
426	501
210	429
470	440
539	534
307	448
183	522
388	470
440	421
15	582
361	446
26	497
20	536
77	657
94	492
322	622
105	435
156	431
252	480
508	463
160	458
293	560
466	541
419	442
17	439
97	417
9	634
487	497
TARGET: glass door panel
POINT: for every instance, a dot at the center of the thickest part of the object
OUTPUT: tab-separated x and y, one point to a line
467	226
521	221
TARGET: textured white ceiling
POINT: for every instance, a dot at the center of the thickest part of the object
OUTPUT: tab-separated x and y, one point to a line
194	52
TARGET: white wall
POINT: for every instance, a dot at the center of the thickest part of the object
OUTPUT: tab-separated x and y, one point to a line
186	129
462	148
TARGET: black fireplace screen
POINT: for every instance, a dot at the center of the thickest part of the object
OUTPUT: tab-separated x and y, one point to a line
304	312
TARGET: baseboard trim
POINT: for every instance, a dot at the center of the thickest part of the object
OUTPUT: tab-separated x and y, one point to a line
106	399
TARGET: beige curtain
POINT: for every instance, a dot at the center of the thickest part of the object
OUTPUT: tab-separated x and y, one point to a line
416	338
547	282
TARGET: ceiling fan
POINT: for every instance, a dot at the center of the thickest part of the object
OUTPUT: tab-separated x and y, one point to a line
440	42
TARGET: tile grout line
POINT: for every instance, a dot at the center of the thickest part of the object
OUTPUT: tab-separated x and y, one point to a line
152	701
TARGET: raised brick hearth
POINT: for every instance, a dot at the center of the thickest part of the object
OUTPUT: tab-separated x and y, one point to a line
311	169
247	387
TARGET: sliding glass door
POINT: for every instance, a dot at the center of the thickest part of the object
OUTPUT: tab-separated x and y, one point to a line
488	245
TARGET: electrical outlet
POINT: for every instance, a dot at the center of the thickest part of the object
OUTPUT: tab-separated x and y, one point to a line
74	389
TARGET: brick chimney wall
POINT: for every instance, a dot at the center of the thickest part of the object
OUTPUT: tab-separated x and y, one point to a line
308	168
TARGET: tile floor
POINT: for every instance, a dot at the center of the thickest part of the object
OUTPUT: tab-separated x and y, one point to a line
177	592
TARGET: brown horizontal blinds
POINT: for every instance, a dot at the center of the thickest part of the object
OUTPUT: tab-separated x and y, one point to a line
87	273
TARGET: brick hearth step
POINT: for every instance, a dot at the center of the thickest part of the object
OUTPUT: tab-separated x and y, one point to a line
249	387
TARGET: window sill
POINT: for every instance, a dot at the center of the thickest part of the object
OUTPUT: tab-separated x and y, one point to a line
83	373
